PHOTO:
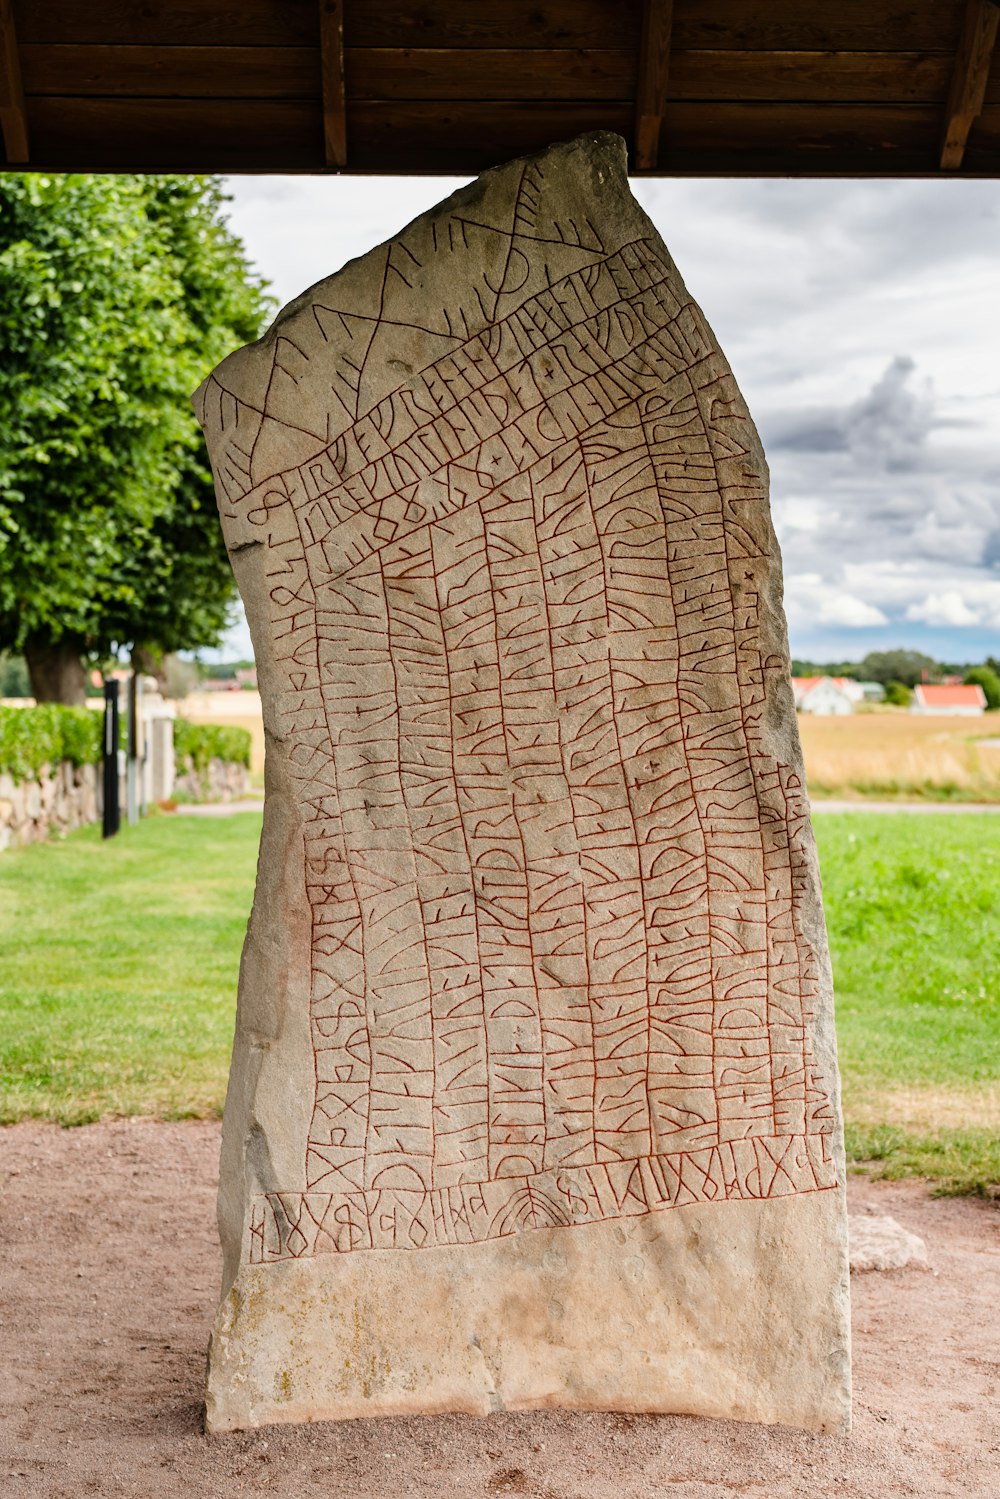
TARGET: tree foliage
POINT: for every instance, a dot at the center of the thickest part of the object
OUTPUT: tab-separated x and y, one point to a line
986	678
31	738
907	667
898	694
198	744
117	296
803	668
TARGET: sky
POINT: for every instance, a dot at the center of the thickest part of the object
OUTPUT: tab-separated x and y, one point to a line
862	322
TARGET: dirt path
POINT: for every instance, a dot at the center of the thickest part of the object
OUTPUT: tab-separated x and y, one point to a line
109	1279
220	809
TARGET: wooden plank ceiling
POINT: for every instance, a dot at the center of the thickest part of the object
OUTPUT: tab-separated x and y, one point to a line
731	87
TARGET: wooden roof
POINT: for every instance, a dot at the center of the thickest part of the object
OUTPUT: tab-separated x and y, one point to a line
732	87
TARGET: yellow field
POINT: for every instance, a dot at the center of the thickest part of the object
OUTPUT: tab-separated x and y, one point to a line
893	753
882	753
237	710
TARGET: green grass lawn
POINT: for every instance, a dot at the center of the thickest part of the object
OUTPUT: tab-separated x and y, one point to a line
913	910
118	967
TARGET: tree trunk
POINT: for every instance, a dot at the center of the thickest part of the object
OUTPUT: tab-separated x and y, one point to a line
150	662
56	670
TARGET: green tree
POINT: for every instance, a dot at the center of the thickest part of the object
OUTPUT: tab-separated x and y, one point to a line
987	679
907	667
117	296
898	694
825	669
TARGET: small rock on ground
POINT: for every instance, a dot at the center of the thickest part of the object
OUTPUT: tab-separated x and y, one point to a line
881	1243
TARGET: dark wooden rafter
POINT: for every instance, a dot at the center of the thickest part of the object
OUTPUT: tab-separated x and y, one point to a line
777	87
331	38
13	115
969	78
651	90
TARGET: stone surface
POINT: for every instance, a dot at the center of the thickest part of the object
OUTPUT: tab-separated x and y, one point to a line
880	1243
63	798
534	1092
218	781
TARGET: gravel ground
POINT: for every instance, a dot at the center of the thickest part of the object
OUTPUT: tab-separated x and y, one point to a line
109	1278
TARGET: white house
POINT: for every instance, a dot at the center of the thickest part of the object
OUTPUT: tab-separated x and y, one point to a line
823	695
969	700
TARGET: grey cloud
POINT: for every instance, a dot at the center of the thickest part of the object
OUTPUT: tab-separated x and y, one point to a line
814	430
806	283
886	428
865	483
884	230
805	279
909	226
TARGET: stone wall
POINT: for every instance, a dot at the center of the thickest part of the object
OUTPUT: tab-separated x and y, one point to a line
70	797
220	781
57	802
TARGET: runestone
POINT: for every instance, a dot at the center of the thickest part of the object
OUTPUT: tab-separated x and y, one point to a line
534	1094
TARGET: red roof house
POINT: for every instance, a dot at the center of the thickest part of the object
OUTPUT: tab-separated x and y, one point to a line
937	697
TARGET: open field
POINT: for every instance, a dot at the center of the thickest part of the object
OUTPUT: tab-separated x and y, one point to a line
882	753
118	968
891	753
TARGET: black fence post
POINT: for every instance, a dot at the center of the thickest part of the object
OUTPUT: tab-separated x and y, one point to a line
132	752
112	812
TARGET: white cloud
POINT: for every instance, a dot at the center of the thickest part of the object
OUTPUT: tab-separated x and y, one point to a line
810	601
798	512
948	608
845	609
979	604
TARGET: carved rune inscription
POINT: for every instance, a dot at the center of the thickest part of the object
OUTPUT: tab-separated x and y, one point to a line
558	966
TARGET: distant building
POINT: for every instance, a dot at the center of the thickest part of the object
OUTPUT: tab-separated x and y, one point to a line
871	692
938	697
849	687
827	696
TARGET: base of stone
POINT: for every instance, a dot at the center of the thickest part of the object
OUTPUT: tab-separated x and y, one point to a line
738	1310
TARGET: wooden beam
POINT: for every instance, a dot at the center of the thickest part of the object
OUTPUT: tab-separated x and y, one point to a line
466	136
651	94
13	117
331	39
969	79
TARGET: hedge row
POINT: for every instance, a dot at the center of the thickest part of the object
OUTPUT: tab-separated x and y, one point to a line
202	742
33	737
